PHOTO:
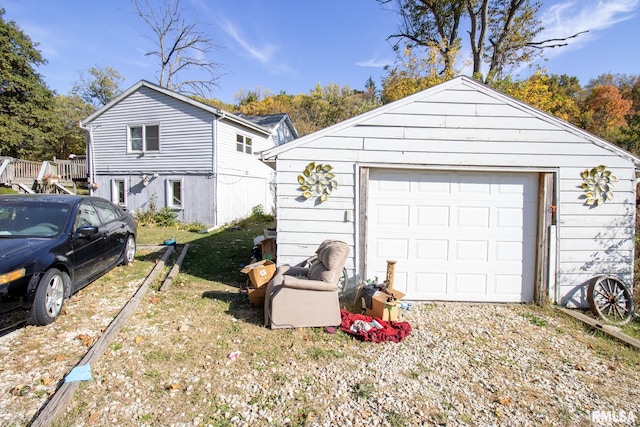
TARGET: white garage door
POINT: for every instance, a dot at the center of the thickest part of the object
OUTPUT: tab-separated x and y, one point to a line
456	236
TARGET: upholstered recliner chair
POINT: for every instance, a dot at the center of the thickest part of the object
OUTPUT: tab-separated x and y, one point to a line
299	297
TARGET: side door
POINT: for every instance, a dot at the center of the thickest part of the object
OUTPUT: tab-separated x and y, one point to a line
114	229
90	246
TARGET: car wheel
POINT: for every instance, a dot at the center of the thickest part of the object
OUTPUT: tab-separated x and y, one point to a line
49	298
129	253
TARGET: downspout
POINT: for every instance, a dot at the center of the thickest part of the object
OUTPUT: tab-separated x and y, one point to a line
219	116
90	155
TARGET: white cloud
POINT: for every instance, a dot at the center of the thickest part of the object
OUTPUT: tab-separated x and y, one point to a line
375	62
566	18
263	54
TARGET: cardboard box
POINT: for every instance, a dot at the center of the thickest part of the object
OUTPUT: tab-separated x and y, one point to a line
384	309
260	272
256	296
268	249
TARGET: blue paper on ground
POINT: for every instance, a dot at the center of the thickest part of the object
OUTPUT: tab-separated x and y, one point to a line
79	373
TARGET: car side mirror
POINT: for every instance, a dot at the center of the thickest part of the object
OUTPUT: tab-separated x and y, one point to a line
87	230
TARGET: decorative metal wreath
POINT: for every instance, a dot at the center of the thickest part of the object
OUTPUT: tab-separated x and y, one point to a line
598	185
317	181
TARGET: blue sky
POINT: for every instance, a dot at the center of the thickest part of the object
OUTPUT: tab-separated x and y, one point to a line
291	45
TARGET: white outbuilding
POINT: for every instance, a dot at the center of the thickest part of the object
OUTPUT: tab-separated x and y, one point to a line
476	195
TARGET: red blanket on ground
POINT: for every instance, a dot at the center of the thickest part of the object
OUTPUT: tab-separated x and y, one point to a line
391	331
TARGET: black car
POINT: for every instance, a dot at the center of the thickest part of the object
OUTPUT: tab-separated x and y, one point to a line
53	245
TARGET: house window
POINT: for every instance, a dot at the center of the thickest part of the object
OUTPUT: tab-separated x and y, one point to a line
174	193
243	144
119	192
144	138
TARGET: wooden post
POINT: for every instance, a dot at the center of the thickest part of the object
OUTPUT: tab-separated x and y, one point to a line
391	272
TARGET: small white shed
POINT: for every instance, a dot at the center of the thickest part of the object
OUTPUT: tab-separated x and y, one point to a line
476	195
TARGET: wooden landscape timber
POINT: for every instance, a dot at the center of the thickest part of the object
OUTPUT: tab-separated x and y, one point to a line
607	329
58	403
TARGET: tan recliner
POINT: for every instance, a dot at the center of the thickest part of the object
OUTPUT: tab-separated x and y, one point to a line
299	297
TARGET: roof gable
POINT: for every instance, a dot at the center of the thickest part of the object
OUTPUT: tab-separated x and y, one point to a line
437	92
208	108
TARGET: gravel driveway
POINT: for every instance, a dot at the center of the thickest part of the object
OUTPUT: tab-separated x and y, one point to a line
463	364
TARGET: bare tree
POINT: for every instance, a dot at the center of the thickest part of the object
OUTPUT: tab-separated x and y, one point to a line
501	32
181	48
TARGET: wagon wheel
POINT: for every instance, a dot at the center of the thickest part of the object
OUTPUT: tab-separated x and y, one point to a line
610	299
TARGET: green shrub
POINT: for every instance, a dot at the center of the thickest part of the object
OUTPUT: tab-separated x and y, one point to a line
195	226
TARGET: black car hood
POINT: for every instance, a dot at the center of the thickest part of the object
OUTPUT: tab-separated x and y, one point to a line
10	248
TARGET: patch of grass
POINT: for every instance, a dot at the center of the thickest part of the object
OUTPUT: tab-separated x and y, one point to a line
534	319
317	353
7	190
633	328
397	419
156	356
362	389
153	373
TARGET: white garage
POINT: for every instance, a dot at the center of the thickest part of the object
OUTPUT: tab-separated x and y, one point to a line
456	236
476	195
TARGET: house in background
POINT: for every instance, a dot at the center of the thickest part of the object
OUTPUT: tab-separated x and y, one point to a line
152	148
476	195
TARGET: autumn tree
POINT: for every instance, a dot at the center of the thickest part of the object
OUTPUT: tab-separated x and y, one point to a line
181	48
26	104
323	106
411	74
98	85
556	95
605	111
611	109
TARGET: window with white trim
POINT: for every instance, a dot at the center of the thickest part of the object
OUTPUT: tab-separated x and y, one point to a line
143	138
243	144
175	196
119	192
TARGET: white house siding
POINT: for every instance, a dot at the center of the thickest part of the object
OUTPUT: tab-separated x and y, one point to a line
243	181
462	125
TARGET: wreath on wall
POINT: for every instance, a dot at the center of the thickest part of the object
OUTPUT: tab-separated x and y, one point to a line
317	181
598	185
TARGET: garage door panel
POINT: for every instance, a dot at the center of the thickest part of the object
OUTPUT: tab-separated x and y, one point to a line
472	250
434	184
509	218
432	250
506	284
457	236
430	284
470	216
393	215
396	248
508	251
470	284
432	216
394	182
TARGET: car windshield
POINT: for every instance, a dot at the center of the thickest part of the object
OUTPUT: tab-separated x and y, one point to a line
32	219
